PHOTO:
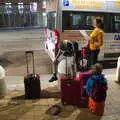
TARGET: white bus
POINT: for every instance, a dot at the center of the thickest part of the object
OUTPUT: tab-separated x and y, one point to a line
68	17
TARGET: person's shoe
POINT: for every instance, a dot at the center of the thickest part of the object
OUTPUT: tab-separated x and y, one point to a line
54	78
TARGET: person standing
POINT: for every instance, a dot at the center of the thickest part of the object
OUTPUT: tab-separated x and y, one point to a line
95	42
65	49
96	89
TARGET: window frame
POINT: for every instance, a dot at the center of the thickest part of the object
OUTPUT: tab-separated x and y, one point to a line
50	21
108	19
113	21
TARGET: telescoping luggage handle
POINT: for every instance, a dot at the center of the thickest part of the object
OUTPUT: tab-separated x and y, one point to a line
74	67
33	63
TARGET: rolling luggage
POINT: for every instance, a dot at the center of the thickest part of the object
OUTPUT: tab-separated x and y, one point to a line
70	87
83	63
84	76
31	80
70	90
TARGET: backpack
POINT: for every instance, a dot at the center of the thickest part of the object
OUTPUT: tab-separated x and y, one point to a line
67	48
99	90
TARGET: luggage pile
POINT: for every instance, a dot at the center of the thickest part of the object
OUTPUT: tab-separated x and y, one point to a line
72	87
74	90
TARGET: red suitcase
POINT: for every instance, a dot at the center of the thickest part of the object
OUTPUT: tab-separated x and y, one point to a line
70	90
70	86
84	76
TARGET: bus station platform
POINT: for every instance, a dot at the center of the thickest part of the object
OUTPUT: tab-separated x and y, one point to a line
15	107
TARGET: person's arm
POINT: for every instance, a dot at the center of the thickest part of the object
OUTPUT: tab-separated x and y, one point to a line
92	36
58	54
87	87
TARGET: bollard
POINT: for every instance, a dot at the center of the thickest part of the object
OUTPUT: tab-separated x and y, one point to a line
118	70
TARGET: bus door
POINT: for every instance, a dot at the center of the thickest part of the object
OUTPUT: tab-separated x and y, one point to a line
51	35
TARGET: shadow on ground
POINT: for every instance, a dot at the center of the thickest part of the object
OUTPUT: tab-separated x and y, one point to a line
45	93
5	62
13	109
85	114
70	112
109	64
49	107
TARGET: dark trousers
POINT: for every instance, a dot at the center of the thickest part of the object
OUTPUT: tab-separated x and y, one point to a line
93	57
55	64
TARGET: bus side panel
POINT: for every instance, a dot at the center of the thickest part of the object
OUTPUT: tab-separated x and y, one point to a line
111	46
110	49
73	35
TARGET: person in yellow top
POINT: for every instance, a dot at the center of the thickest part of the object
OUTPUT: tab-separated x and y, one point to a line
95	41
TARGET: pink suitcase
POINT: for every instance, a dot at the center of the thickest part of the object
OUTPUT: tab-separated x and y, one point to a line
70	90
84	76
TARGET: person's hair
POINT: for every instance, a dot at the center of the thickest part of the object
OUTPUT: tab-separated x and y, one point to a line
69	48
99	23
97	68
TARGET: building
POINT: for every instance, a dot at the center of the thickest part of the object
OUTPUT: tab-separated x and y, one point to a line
22	14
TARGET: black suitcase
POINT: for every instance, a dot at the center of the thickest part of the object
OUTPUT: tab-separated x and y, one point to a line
31	80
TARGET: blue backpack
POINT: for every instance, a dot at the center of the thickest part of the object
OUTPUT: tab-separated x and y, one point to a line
99	90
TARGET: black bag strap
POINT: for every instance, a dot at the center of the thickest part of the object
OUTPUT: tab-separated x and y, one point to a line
33	63
66	67
74	63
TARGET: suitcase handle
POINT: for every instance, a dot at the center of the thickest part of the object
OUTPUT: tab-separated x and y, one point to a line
33	63
73	64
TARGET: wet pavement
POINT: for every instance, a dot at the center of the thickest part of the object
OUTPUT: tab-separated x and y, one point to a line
15	62
15	107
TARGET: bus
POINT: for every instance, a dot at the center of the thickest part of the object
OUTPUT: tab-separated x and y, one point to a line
66	18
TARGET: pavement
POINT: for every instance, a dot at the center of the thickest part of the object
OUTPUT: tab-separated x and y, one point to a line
14	62
15	107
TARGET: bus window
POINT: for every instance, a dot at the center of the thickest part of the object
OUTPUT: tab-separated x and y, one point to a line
51	20
89	20
117	23
75	20
79	20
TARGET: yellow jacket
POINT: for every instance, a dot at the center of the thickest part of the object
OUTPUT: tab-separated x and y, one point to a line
96	39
